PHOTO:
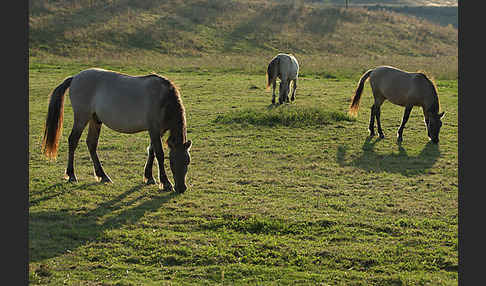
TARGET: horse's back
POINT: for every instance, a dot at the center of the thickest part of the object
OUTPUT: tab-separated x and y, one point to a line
119	101
398	86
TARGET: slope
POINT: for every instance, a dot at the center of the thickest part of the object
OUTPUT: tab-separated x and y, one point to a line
198	27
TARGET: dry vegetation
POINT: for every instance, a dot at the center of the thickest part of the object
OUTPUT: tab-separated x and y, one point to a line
154	32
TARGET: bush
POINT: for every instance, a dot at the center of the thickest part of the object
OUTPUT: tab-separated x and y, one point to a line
284	115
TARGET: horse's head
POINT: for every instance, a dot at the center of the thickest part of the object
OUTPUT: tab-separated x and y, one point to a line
434	123
179	161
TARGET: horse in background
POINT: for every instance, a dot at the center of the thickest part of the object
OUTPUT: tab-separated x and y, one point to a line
404	89
126	104
286	68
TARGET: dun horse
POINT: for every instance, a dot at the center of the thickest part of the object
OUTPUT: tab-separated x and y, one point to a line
404	89
126	104
286	68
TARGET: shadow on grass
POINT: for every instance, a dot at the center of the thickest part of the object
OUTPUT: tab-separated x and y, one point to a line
399	162
54	233
61	191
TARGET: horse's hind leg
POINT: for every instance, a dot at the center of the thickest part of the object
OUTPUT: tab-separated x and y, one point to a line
73	140
94	130
371	127
375	113
406	115
378	121
148	178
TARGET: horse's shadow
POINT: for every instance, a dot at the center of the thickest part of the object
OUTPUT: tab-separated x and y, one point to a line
400	162
54	233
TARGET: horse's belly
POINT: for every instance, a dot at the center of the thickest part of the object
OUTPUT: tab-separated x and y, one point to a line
124	124
405	100
123	119
399	101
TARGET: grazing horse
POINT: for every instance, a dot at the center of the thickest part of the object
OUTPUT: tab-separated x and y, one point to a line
286	68
404	89
126	104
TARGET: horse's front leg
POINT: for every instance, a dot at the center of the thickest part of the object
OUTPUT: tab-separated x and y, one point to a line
426	121
294	87
406	115
283	92
148	178
274	86
156	143
287	91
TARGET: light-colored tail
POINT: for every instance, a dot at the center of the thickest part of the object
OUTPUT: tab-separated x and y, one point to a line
353	108
54	119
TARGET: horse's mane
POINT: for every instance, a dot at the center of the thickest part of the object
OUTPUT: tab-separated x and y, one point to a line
435	107
175	111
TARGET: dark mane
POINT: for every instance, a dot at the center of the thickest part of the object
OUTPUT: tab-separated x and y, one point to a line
176	112
435	107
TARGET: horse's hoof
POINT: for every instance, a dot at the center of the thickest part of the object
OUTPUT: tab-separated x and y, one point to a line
167	188
382	136
106	180
149	181
70	178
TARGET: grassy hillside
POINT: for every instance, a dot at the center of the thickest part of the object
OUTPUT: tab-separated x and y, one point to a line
122	29
441	15
431	3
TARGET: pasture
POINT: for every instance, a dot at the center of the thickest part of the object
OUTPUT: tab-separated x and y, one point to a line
296	194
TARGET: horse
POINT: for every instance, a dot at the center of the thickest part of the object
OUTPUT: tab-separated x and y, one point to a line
407	89
286	68
126	104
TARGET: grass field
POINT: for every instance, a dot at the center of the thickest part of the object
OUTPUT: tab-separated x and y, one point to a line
275	197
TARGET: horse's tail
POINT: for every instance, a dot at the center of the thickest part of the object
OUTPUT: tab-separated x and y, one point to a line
353	108
271	71
53	126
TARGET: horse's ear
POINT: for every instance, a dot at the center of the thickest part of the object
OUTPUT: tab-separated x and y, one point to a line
188	145
441	114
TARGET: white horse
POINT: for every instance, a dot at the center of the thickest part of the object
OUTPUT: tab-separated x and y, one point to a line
127	104
401	88
286	68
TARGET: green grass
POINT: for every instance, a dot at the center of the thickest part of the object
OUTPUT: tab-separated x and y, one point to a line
277	196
